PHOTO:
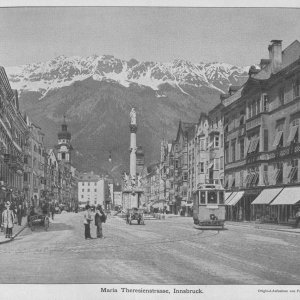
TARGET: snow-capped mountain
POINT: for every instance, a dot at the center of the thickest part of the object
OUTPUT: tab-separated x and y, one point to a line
63	71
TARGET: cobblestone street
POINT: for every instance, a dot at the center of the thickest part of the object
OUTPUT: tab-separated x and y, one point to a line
167	251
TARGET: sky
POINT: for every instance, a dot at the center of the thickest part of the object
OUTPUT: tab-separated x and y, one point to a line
238	36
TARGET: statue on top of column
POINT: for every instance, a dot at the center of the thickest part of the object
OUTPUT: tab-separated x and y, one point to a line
133	116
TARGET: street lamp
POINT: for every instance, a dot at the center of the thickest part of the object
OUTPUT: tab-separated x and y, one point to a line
109	158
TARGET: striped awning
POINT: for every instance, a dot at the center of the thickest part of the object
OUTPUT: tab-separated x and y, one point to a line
289	196
267	196
230	198
234	200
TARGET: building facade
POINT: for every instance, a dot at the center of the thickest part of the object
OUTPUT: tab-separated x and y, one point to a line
261	124
13	138
91	189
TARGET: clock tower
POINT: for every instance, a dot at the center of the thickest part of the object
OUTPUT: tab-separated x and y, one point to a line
64	146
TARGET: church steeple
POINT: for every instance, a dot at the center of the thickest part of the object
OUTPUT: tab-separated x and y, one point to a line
64	146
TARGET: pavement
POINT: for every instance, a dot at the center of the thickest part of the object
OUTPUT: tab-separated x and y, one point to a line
273	227
170	251
16	231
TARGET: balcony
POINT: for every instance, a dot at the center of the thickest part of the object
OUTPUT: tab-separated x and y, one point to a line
257	157
254	122
291	150
235	164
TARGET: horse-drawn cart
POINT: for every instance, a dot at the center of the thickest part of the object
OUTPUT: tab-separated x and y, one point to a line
135	214
38	218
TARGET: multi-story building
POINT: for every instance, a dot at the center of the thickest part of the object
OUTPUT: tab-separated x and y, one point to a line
261	125
185	132
202	166
13	138
91	189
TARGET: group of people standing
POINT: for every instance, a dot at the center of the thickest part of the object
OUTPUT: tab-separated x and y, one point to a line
99	218
9	213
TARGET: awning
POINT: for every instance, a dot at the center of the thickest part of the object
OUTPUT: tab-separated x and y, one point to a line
230	197
227	195
292	135
266	196
277	138
289	196
234	200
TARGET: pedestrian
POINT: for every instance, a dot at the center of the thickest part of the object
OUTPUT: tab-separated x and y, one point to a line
297	217
99	219
8	220
52	210
87	221
19	214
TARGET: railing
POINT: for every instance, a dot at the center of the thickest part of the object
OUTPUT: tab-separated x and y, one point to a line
252	123
285	151
235	164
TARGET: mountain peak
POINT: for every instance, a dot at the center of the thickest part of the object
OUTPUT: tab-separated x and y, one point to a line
63	71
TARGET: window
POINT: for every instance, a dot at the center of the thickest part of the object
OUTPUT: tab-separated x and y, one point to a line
216	164
242	148
281	94
81	196
278	142
83	184
212	197
266	140
176	164
88	184
185	176
95	190
294	133
25	160
221	163
95	183
233	150
82	190
296	88
202	197
88	190
226	153
265	102
293	174
25	177
217	140
221	139
202	145
258	106
63	155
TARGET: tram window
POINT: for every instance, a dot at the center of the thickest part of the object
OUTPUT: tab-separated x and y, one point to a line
196	198
212	197
221	197
202	197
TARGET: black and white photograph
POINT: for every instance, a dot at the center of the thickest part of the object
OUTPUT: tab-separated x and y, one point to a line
149	150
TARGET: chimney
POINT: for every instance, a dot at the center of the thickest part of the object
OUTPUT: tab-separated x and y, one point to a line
275	54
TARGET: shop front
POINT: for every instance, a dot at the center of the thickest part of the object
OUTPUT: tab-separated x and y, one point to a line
287	204
261	210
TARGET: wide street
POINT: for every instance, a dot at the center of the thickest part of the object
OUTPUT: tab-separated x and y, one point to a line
167	251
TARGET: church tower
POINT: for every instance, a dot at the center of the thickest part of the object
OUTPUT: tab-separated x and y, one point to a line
64	146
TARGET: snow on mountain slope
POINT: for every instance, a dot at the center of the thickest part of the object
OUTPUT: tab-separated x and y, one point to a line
63	71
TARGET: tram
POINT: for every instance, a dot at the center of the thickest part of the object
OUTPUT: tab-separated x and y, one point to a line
208	207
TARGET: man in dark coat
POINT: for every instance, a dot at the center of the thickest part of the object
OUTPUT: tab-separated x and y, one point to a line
99	218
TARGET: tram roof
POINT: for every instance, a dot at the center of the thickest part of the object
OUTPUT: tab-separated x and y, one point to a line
209	186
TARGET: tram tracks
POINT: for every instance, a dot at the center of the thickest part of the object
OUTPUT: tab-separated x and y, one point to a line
95	245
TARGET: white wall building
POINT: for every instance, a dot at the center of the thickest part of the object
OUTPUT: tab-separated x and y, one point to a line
90	189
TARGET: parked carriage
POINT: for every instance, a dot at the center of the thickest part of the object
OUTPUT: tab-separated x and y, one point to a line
208	207
135	214
38	217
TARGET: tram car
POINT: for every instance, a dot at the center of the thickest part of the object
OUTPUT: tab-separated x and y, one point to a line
208	206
